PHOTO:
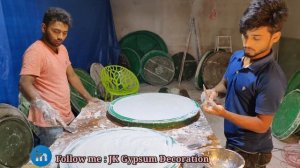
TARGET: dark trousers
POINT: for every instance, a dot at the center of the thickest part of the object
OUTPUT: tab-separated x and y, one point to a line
47	135
253	160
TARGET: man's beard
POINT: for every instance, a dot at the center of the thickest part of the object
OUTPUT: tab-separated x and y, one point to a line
247	54
48	40
254	55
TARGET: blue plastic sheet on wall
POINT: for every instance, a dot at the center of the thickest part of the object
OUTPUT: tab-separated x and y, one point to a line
91	39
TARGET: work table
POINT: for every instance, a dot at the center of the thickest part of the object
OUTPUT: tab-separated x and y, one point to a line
197	135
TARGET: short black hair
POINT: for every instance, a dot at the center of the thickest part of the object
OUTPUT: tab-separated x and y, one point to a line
57	14
270	13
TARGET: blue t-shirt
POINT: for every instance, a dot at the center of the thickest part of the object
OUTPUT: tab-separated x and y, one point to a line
257	89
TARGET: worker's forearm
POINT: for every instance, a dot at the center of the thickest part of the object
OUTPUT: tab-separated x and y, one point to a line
254	124
220	88
28	90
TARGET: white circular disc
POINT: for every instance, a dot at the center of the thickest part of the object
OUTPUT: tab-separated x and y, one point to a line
124	141
153	108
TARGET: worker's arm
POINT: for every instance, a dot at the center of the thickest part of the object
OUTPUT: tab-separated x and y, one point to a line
31	94
27	89
259	124
77	84
220	88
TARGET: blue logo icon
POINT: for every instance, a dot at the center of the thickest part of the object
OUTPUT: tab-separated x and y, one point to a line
41	155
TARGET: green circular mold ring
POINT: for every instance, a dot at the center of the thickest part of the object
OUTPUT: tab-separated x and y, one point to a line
133	59
151	54
198	75
16	139
157	124
77	102
287	119
212	71
155	54
143	41
294	82
8	110
159	70
190	65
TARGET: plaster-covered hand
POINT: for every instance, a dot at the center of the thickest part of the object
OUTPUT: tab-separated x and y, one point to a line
68	128
212	108
49	113
209	95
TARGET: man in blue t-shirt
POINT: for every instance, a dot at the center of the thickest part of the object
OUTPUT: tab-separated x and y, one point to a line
253	83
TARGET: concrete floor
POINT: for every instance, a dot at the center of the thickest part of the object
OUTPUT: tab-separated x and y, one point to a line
216	123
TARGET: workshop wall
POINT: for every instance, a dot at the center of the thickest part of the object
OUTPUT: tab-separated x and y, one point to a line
289	46
170	19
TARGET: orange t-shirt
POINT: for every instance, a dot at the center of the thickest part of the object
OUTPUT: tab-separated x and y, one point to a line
51	81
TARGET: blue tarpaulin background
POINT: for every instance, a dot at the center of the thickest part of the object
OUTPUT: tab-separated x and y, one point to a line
91	39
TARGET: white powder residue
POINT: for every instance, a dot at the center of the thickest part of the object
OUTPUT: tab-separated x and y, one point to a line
155	106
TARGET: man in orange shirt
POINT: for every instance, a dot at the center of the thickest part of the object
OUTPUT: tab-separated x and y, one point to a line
45	76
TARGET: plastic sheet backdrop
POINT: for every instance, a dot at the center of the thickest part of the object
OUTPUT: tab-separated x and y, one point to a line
89	40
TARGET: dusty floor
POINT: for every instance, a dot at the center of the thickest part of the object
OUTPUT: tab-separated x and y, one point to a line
217	122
